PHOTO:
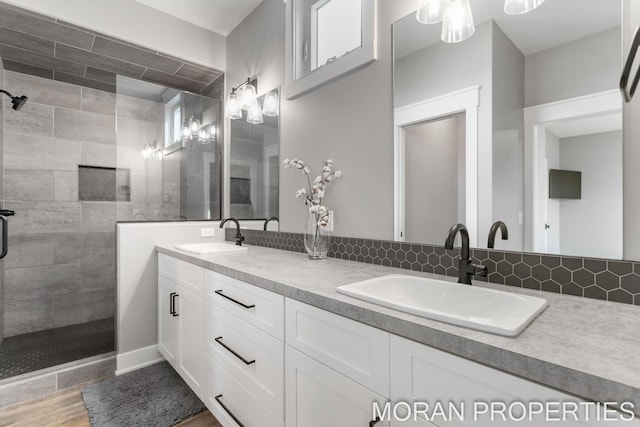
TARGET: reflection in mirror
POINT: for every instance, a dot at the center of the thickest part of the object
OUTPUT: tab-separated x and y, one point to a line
168	147
331	29
547	57
325	39
254	165
434	193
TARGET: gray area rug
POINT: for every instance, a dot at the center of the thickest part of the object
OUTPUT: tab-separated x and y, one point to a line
154	396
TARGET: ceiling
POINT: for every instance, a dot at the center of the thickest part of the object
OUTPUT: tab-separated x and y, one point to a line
219	16
585	126
555	22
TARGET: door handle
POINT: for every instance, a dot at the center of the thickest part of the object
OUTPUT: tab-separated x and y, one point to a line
219	400
172	303
627	92
5	236
232	351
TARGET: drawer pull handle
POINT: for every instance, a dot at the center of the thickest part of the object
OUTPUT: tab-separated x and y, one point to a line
219	400
219	292
374	422
230	350
172	304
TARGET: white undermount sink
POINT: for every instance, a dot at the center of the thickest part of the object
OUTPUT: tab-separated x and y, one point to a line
210	248
488	310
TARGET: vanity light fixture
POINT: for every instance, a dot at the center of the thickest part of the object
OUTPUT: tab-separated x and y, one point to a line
518	7
456	17
243	97
194	131
152	151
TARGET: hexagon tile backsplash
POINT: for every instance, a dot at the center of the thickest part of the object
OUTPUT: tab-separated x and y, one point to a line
609	280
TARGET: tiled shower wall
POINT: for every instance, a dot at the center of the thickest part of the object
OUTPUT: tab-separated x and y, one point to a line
609	280
61	264
1	198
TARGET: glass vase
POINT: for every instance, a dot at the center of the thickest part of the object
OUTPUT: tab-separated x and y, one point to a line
316	238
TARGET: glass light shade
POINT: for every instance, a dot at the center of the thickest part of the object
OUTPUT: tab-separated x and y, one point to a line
186	132
254	114
233	107
518	7
158	154
458	22
194	127
431	11
271	105
146	152
248	97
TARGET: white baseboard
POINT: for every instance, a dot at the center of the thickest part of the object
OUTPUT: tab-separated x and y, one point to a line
136	359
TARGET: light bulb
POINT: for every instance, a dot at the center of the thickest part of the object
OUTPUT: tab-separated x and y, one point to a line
233	107
194	127
271	106
518	7
186	133
254	115
248	97
431	11
458	22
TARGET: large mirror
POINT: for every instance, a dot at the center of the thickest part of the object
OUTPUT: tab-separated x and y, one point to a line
254	164
519	123
325	39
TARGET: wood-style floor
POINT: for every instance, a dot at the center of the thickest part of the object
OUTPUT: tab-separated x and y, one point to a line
65	408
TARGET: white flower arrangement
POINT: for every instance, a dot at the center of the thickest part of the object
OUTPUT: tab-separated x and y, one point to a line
317	189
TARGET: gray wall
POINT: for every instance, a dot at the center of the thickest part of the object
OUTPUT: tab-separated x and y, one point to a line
325	123
587	65
592	226
61	266
2	102
508	141
433	154
631	148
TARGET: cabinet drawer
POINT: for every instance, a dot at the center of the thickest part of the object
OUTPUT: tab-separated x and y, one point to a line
223	389
254	358
256	306
358	351
318	396
191	277
421	373
168	267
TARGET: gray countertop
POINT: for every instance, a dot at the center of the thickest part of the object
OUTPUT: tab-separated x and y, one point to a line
582	346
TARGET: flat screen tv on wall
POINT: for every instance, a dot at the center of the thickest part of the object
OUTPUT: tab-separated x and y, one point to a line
564	184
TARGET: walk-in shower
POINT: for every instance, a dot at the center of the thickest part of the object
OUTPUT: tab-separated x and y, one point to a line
91	147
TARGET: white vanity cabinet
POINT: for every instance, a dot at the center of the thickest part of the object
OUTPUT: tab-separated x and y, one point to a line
245	353
335	369
181	319
420	373
257	358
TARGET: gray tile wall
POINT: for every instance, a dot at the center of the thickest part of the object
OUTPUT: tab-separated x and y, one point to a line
61	264
609	280
2	102
47	47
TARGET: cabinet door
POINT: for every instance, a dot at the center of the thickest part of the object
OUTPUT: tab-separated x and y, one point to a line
317	396
191	346
167	323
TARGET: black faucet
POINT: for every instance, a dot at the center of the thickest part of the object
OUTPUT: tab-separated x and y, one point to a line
498	225
466	270
271	218
239	237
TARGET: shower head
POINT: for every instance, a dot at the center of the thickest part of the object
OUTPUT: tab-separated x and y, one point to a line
16	101
19	101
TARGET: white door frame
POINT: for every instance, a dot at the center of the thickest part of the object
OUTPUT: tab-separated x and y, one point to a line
536	119
465	100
